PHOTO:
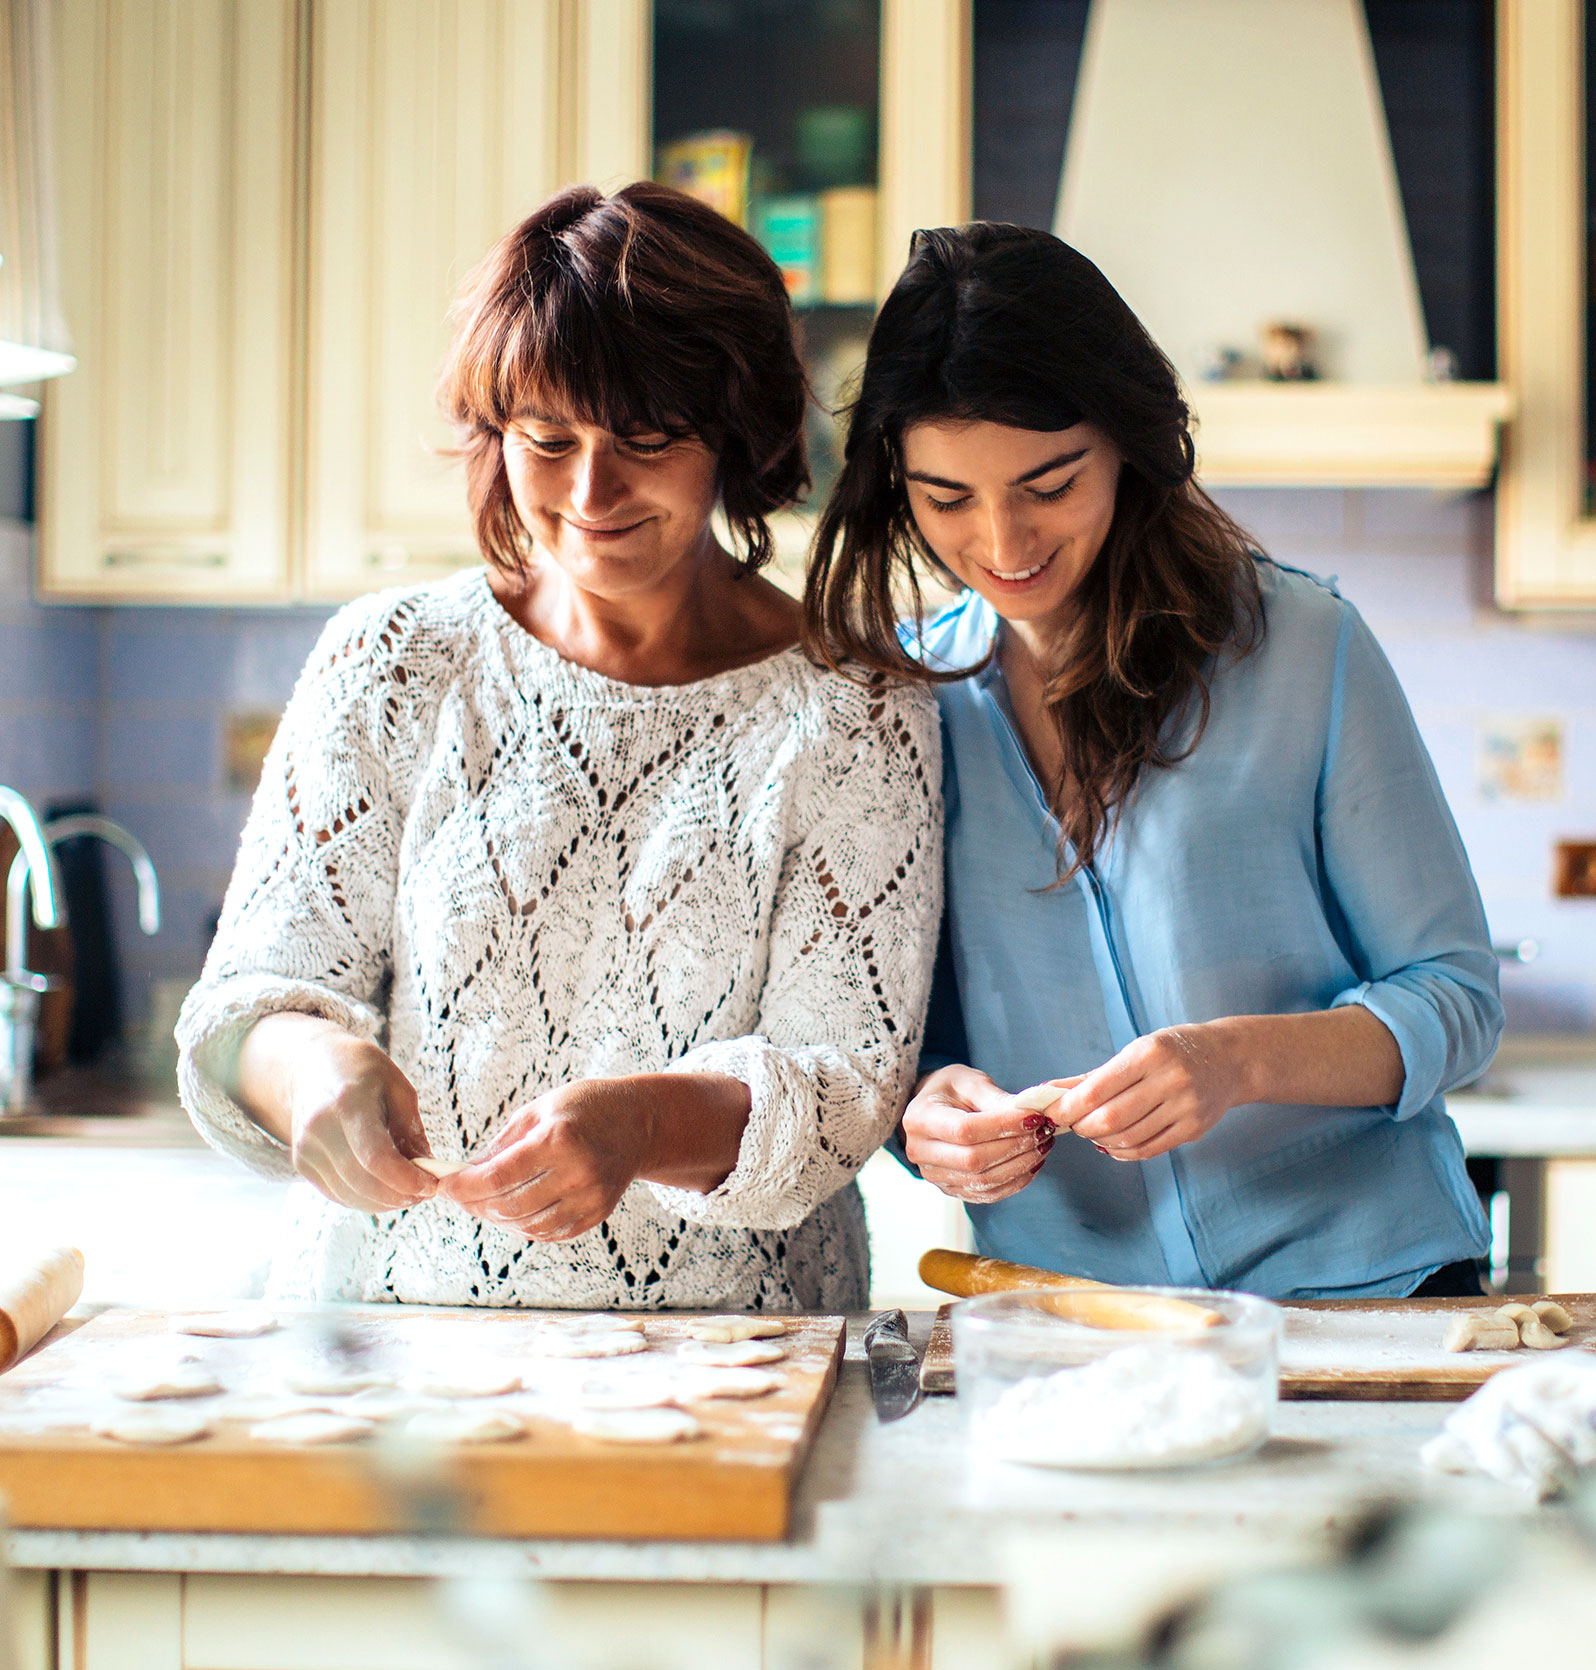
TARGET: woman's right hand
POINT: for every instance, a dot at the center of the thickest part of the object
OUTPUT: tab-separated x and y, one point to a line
972	1139
348	1116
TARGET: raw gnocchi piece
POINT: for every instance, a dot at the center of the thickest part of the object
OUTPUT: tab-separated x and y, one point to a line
739	1354
636	1426
727	1330
1516	1313
1552	1315
1538	1337
1481	1333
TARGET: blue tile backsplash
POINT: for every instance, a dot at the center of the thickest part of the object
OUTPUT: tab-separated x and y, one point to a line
128	705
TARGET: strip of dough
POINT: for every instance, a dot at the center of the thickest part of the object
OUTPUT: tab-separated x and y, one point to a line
34	1297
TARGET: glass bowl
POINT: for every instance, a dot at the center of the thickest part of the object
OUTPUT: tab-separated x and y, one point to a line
1044	1388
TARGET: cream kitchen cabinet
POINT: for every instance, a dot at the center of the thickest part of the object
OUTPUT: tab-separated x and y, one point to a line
266	208
167	457
145	1621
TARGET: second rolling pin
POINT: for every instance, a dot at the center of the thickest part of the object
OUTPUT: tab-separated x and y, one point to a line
1075	1298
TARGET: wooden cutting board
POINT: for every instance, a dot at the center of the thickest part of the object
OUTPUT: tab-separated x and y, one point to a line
1375	1349
734	1482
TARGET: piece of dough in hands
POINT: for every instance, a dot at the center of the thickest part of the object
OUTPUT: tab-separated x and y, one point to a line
727	1330
153	1426
746	1353
439	1168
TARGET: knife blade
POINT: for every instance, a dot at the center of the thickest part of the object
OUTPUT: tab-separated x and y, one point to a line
894	1367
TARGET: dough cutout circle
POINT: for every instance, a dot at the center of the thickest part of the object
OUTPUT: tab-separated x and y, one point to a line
727	1382
462	1426
637	1426
312	1380
727	1330
241	1324
590	1343
178	1380
739	1354
312	1429
470	1380
153	1426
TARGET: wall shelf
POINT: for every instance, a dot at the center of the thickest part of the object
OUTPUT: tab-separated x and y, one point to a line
1440	435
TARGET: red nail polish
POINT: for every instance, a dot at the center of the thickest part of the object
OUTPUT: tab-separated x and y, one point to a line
1045	1142
1035	1121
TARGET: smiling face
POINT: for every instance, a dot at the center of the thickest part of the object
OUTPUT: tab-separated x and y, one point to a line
621	515
1018	515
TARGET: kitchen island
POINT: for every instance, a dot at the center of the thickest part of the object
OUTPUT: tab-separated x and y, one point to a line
897	1550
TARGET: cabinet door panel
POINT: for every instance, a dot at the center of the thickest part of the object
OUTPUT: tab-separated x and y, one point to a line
166	453
434	126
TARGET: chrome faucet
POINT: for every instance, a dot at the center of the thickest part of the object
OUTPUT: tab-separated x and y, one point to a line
19	990
16	1052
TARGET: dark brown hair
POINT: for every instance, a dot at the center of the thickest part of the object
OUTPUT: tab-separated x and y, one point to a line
641	312
1008	325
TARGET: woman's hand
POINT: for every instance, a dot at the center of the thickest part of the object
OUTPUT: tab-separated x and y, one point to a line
561	1163
971	1139
1167	1088
347	1114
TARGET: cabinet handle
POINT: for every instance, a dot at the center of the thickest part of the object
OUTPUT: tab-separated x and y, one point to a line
169	558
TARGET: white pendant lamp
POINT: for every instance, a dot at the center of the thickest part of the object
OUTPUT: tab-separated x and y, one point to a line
33	337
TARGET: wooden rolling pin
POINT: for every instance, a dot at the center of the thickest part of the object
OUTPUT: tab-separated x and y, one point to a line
1073	1297
34	1295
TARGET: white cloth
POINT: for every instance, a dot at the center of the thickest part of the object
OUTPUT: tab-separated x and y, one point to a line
514	872
1532	1427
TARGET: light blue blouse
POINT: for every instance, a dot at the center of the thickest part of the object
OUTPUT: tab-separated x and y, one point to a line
1300	858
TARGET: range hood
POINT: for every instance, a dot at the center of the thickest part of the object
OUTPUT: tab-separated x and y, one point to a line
1229	166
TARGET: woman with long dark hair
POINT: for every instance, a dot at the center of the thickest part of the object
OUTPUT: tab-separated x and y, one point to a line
1200	872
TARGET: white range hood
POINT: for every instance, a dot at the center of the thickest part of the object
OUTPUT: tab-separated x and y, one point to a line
1228	165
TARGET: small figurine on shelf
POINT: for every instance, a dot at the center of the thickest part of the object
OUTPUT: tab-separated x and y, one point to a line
1287	353
1218	362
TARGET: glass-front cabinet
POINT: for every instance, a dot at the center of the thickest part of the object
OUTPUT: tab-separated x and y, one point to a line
797	119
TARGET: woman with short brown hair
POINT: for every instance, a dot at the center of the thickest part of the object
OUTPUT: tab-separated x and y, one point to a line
573	873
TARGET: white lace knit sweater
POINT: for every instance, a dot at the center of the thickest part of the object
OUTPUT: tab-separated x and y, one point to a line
513	872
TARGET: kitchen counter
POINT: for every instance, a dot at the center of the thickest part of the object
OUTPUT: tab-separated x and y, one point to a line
895	1505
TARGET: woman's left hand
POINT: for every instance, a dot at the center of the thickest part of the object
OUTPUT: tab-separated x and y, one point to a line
1167	1088
561	1163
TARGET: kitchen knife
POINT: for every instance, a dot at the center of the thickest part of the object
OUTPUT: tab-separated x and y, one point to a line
894	1368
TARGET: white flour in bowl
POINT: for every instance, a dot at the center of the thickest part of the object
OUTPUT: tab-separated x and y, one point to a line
1145	1406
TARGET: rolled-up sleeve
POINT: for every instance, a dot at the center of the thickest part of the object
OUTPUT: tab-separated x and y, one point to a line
1395	866
853	938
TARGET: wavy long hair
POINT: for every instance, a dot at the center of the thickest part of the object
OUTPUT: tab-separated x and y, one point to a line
1008	325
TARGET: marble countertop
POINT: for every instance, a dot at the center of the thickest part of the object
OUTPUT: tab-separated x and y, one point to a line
899	1504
